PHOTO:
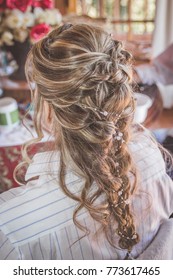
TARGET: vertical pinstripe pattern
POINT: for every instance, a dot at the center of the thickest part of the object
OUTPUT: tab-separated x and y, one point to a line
36	219
50	242
79	242
99	248
20	254
68	240
89	242
42	257
59	247
30	252
7	250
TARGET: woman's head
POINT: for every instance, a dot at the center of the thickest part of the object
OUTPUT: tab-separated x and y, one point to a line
84	76
77	66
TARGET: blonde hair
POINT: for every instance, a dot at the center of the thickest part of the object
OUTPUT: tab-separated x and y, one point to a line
85	76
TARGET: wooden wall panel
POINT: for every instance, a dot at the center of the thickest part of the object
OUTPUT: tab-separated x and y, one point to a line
62	5
66	6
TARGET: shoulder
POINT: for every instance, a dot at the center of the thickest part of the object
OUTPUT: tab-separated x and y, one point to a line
7	250
146	155
31	211
143	143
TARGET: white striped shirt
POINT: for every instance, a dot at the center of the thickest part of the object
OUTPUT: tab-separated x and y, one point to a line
36	219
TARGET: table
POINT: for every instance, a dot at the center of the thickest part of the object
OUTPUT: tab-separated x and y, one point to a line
20	134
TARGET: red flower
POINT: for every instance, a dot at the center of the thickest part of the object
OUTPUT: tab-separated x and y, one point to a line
45	4
39	31
21	5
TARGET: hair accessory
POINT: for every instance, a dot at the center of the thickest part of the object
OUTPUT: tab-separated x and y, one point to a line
117	204
118	116
126	201
118	135
104	113
127	237
120	193
134	235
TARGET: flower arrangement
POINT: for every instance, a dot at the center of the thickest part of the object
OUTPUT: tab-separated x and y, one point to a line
21	20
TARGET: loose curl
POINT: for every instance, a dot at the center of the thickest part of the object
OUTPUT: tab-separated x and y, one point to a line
81	72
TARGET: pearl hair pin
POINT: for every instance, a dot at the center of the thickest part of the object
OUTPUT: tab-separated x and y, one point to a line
118	135
121	202
120	193
104	113
127	237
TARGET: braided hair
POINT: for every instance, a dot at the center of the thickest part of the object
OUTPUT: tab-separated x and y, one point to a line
85	76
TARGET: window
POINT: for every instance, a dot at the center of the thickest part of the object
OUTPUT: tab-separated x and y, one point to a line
128	19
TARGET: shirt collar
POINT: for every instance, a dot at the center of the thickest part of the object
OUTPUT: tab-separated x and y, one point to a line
43	164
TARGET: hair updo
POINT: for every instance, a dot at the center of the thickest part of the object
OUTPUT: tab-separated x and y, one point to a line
85	77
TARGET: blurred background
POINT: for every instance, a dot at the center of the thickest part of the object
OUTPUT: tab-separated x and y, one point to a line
127	20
